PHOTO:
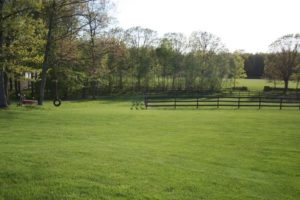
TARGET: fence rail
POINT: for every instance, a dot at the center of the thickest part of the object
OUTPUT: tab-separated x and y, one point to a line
222	101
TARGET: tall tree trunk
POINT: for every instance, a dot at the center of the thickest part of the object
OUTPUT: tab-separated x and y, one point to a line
92	33
138	83
234	82
173	81
3	98
120	80
164	83
84	89
19	86
132	81
32	85
286	85
16	88
46	60
36	85
10	84
93	89
110	83
6	87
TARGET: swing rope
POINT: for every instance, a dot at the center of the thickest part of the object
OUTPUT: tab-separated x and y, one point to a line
56	101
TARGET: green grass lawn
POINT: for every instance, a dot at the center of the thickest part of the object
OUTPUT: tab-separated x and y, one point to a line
258	84
104	150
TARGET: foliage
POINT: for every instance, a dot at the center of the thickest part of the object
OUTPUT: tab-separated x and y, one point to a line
19	52
254	65
24	45
236	67
76	43
284	58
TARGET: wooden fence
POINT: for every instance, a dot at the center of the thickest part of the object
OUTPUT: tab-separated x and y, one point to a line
221	101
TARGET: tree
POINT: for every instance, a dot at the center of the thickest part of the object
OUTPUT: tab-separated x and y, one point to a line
97	19
296	75
285	55
254	65
165	56
9	11
271	71
3	98
177	41
118	56
23	47
140	42
66	68
170	54
178	45
62	20
236	67
206	48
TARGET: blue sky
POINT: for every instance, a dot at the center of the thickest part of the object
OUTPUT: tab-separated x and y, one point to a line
250	25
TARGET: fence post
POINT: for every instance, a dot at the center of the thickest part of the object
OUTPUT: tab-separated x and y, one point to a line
218	103
259	105
197	101
239	102
280	103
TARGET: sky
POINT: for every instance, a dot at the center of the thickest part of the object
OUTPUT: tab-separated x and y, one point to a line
249	25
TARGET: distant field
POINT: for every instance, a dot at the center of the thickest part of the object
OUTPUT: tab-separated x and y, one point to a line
104	150
258	84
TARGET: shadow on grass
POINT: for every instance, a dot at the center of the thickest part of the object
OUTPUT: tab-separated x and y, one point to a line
111	99
14	112
15	107
32	107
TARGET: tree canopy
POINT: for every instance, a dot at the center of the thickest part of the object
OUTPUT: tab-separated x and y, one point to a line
284	58
76	44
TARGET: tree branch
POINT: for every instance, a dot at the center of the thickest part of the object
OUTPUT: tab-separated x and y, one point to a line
16	13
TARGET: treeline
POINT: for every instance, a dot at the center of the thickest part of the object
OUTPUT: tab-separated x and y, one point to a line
70	48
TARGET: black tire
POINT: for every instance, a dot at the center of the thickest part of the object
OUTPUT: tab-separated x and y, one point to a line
56	102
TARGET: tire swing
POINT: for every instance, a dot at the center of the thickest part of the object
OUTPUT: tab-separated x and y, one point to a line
57	100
